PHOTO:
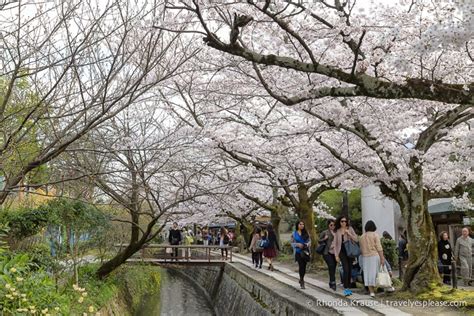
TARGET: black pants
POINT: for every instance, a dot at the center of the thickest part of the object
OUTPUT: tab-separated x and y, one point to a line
175	254
446	271
301	265
222	252
257	258
332	264
346	268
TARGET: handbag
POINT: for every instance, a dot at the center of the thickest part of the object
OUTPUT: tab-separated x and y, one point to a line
352	248
305	255
259	245
321	247
383	279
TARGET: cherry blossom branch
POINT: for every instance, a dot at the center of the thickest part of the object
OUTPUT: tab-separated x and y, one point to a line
347	40
257	201
437	129
363	133
339	157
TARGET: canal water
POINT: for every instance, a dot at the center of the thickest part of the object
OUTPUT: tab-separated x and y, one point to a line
179	296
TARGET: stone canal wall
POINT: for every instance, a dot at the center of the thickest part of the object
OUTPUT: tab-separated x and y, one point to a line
233	291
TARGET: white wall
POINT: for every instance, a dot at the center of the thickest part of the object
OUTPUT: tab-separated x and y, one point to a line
380	209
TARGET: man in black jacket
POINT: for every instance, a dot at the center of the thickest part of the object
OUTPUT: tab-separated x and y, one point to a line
174	238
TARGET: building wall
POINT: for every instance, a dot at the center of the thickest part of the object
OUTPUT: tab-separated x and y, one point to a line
380	209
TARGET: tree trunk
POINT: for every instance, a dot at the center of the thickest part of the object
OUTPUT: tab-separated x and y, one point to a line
422	271
345	204
247	229
275	219
306	214
105	269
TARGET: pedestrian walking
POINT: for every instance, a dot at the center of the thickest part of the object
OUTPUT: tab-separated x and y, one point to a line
445	256
256	251
402	247
205	236
224	242
301	244
174	238
463	253
188	240
270	251
344	233
371	256
199	237
327	237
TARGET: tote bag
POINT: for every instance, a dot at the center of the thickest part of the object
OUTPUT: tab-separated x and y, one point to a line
383	279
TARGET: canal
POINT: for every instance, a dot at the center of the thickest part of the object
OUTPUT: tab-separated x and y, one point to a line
178	296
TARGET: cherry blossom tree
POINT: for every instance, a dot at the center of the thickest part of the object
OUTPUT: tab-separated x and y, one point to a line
68	66
399	79
150	165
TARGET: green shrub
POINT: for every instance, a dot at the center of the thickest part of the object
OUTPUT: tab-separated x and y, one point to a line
390	251
286	248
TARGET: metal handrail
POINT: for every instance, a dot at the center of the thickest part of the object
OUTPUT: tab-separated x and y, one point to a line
187	248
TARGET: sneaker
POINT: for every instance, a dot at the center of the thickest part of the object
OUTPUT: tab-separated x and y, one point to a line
391	289
347	292
332	286
372	295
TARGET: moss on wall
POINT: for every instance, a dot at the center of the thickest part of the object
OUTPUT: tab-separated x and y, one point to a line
134	284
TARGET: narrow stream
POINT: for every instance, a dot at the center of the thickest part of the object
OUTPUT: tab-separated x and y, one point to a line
179	296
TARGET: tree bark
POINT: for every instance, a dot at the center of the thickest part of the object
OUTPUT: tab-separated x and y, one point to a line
422	271
106	268
275	219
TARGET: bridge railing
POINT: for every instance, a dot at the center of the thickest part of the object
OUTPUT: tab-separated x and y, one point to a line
188	253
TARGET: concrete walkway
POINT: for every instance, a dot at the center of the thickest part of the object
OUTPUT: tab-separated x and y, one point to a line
354	305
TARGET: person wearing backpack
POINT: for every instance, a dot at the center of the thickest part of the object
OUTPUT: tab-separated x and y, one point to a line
271	246
256	248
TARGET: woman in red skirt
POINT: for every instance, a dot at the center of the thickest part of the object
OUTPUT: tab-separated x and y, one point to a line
270	251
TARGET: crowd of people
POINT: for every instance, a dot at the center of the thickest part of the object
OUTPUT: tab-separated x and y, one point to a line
263	243
220	237
340	238
339	245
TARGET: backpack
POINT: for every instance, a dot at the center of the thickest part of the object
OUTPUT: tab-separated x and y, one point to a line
263	244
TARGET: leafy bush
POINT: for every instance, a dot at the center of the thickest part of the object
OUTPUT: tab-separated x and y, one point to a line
390	251
286	248
25	288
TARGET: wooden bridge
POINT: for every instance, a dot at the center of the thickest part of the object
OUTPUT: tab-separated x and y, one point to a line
164	254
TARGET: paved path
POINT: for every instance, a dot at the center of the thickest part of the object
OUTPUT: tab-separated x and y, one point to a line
317	290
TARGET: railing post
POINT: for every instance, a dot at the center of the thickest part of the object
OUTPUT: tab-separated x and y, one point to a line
230	254
453	275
